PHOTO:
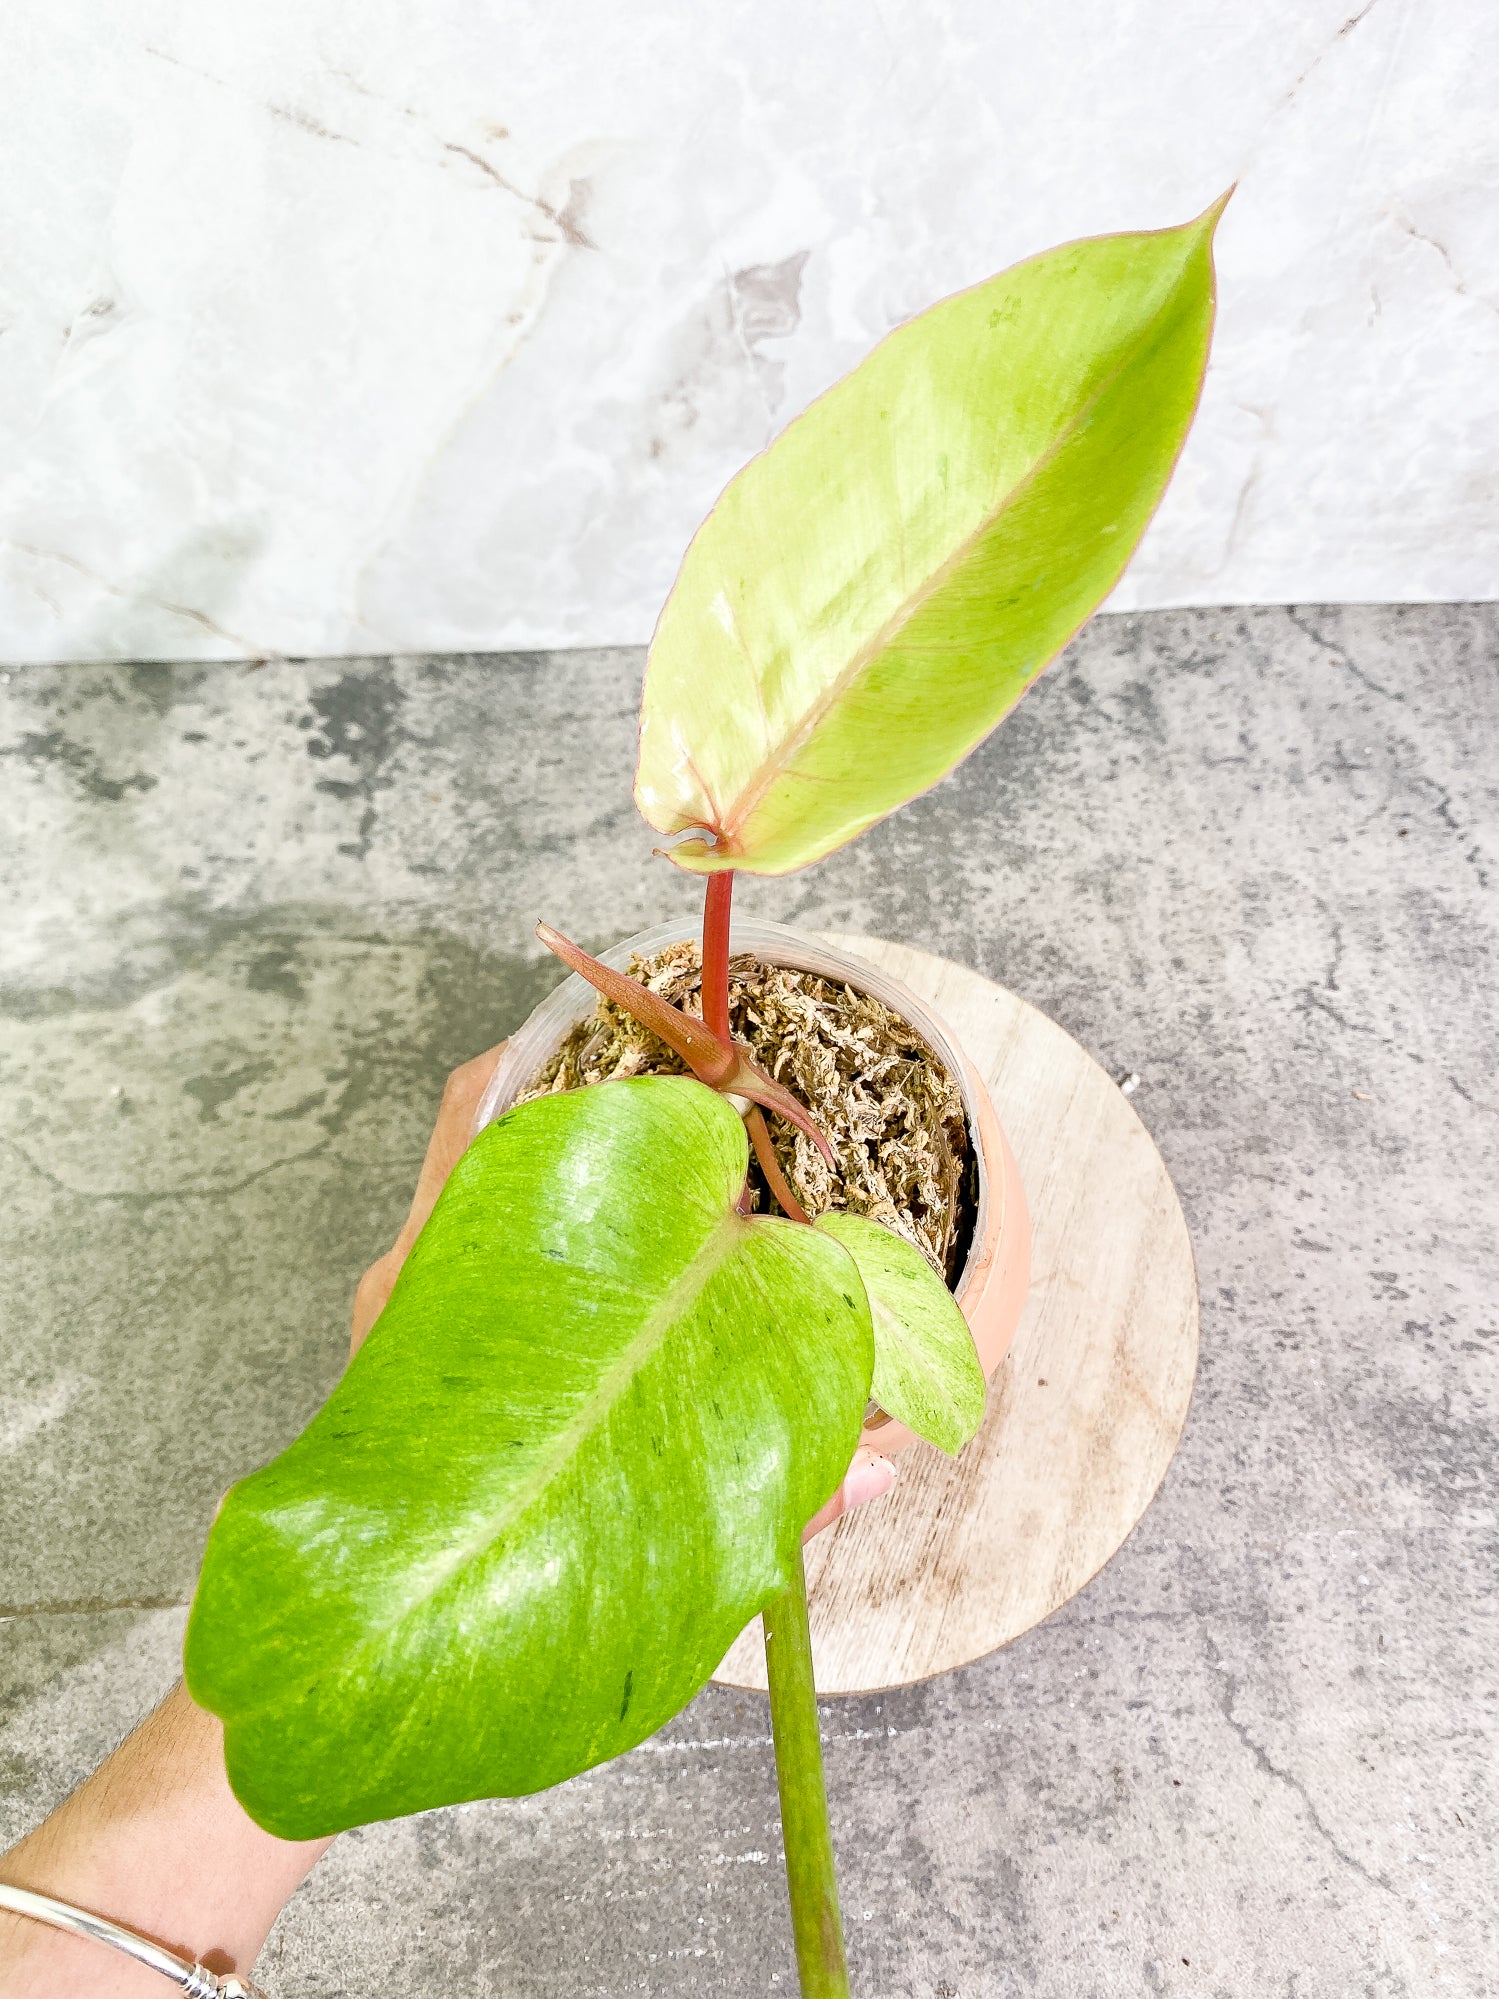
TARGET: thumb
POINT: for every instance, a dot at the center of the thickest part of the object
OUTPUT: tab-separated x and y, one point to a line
868	1477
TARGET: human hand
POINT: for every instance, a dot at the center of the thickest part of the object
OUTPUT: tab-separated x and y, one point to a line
868	1476
156	1838
447	1145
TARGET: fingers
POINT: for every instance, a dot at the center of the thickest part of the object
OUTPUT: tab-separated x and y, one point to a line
449	1141
374	1288
868	1477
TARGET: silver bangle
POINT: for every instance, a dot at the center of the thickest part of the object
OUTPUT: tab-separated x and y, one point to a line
193	1979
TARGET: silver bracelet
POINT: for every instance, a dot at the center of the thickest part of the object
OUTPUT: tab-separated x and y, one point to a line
193	1979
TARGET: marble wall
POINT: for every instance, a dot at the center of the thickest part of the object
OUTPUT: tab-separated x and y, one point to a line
363	328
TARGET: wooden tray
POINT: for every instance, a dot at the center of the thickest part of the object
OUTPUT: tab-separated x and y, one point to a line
1084	1413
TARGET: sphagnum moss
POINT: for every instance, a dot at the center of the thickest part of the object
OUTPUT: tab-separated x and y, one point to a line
890	1110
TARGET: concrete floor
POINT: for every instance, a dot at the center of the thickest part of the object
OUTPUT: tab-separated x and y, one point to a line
252	915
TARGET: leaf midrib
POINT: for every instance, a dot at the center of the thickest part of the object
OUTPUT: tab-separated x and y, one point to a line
652	1333
915	1351
734	820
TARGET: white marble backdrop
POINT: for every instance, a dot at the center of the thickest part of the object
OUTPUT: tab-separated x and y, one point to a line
339	328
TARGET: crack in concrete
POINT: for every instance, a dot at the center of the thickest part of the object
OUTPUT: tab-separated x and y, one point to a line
1335	925
1315	994
91	1606
133	1199
1310	997
1402	751
1340	654
1228	1697
1478	1103
1125	1617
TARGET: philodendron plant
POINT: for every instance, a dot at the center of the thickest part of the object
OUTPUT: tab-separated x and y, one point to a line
579	1448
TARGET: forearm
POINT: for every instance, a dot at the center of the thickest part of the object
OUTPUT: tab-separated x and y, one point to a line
156	1840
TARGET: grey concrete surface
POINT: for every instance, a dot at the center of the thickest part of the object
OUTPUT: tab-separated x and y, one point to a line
251	916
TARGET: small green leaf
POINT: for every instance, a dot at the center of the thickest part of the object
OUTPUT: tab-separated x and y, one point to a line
880	586
573	1458
926	1369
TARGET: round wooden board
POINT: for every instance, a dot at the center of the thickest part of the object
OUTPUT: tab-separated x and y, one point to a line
1085	1411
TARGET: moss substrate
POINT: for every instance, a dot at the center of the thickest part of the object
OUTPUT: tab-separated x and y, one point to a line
890	1110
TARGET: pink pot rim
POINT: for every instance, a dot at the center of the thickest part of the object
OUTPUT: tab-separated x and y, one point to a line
999	1278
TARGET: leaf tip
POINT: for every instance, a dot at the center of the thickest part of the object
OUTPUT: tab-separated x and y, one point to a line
1212	214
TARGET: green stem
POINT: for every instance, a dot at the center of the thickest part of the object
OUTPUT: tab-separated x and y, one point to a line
805	1831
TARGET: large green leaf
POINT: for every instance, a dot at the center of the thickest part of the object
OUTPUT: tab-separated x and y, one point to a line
573	1458
873	592
926	1368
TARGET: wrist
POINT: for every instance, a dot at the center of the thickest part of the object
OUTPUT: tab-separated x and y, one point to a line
40	1962
157	1842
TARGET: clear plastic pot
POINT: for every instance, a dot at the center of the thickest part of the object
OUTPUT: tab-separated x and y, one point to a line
992	1284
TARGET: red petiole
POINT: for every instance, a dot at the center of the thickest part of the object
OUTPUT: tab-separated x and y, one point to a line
770	1166
716	951
716	907
713	1058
